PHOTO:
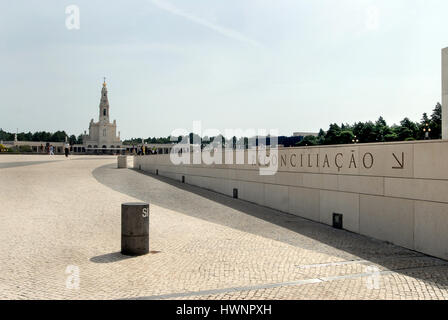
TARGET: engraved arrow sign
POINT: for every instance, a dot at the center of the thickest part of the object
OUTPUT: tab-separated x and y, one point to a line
400	163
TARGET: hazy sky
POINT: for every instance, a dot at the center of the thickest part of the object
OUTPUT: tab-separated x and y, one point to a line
292	65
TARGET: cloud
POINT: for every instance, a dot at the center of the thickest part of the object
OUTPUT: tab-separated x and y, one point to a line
229	33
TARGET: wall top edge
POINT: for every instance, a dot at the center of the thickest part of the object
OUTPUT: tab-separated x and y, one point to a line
370	144
364	144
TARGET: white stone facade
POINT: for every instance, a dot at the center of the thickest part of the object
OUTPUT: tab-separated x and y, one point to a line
103	134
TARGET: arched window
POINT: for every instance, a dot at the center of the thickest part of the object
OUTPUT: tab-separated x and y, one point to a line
104	112
104	132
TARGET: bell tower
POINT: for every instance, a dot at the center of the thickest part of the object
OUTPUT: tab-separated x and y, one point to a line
104	105
102	137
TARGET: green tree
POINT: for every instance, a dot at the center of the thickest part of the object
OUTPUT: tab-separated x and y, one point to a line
332	135
380	122
391	137
72	139
6	136
194	138
425	118
42	136
365	132
321	137
22	136
308	141
346	137
436	122
425	124
407	129
58	136
381	130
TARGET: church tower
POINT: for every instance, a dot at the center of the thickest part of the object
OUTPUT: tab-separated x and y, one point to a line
102	135
104	105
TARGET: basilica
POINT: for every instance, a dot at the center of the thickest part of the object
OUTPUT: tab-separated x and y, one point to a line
102	137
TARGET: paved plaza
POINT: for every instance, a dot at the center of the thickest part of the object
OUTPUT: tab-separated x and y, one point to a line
57	213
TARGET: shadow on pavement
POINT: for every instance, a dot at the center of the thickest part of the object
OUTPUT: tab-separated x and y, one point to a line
262	221
4	165
110	257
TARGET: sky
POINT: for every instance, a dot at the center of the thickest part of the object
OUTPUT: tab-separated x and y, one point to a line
291	65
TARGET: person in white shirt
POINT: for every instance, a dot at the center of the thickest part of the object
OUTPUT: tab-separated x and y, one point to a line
67	149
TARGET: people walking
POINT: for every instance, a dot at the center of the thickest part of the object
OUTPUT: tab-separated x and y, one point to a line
66	149
51	150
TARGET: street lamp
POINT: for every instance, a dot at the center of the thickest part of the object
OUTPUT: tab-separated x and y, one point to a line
426	130
355	140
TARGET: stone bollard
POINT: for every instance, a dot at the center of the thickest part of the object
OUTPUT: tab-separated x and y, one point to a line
122	162
134	228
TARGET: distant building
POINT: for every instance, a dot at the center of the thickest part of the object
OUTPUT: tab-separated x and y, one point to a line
102	137
304	134
35	146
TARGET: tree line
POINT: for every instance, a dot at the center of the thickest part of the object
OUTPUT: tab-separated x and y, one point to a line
359	132
44	136
380	131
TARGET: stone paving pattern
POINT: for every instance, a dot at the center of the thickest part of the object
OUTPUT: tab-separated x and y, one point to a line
57	212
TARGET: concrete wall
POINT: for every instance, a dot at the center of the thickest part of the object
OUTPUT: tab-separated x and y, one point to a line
397	192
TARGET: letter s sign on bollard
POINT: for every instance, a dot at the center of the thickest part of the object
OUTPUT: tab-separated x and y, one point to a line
145	213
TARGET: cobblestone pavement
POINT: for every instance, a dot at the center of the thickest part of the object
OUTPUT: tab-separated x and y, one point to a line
57	212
